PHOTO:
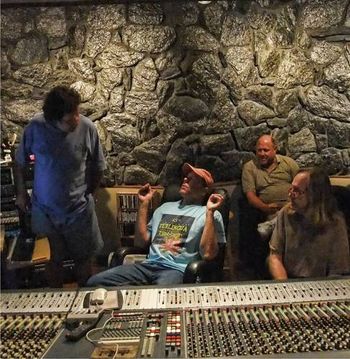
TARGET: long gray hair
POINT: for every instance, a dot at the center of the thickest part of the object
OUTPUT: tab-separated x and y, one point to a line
322	205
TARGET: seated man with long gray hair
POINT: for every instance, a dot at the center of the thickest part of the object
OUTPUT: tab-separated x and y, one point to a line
310	238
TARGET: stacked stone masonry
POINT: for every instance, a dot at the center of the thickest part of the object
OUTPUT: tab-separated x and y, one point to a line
168	82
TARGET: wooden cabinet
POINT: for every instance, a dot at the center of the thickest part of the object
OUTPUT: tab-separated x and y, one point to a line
127	207
116	209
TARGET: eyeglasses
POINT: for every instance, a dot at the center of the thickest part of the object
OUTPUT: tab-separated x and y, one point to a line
296	192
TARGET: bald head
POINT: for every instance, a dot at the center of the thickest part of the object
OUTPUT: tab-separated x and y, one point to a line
266	140
266	150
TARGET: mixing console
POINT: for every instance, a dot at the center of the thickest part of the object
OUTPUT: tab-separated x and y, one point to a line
266	330
28	336
300	318
233	331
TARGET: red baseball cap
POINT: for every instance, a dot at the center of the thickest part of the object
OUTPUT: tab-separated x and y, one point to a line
201	172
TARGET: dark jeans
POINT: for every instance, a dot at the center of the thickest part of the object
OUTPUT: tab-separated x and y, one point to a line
136	274
253	249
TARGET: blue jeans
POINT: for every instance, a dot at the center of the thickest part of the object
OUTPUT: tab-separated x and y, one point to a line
136	274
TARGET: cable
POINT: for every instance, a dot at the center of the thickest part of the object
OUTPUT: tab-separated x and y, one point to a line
87	335
96	341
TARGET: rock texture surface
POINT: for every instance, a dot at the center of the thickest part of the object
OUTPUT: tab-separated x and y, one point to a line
179	81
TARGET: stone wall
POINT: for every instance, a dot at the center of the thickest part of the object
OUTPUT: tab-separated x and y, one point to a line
168	82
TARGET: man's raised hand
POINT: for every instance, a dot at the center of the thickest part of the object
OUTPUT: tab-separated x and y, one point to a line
215	201
145	193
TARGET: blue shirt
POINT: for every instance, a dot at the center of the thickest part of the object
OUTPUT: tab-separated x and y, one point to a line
63	164
175	221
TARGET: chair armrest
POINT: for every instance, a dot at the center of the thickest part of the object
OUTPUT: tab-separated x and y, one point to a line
202	271
205	271
116	258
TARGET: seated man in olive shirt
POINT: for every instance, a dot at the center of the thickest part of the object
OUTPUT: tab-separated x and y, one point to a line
310	238
266	179
265	182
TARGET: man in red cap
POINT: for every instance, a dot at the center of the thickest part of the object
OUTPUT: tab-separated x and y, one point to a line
178	233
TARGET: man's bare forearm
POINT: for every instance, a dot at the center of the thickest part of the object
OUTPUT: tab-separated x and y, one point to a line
141	233
19	179
95	181
208	243
276	267
22	198
257	203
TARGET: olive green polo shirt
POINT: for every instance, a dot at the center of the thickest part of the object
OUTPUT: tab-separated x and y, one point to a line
270	187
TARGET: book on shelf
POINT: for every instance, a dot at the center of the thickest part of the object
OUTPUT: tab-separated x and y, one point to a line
127	207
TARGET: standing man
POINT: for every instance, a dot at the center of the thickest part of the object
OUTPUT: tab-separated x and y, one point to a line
265	182
310	238
68	167
178	233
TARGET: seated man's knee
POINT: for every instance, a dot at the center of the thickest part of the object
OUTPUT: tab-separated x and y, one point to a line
101	279
169	277
93	281
132	274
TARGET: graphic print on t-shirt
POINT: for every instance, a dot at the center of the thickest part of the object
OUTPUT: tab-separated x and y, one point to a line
172	232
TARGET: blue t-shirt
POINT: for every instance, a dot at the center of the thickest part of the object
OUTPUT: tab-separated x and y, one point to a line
63	164
175	221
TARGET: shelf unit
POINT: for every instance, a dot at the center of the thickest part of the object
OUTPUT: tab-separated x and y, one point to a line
127	207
